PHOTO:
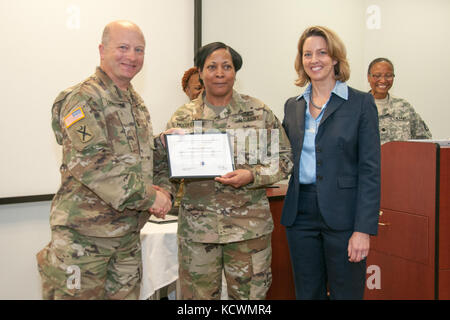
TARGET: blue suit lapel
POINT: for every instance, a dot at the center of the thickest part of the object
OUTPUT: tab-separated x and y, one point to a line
332	106
300	117
334	103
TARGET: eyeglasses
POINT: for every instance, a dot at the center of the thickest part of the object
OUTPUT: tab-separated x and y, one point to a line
378	76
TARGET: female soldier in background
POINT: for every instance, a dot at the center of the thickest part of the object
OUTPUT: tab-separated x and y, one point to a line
191	83
397	118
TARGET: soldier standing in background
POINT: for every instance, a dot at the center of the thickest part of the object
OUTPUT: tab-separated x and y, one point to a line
226	223
397	118
191	83
108	169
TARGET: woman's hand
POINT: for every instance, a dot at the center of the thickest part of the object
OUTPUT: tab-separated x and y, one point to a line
170	131
236	178
358	246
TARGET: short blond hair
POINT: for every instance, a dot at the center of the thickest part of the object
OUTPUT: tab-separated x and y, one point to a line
336	50
106	35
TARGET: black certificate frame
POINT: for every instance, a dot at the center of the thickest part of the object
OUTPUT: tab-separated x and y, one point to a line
200	177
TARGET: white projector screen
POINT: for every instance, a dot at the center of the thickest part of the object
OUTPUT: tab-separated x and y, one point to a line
49	45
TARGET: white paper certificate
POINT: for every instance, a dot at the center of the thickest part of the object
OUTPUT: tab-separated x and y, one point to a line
199	155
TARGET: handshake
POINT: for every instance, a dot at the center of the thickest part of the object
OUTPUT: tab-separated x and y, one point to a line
162	204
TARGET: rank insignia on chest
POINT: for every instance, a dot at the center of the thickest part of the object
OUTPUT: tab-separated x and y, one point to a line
73	117
245	119
84	133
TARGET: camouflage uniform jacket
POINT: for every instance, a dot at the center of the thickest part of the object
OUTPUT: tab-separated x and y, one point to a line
108	158
211	212
399	121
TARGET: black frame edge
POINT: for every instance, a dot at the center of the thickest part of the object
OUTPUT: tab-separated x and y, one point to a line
25	199
197	25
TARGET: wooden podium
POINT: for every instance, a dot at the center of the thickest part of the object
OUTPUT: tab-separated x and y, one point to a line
412	248
282	287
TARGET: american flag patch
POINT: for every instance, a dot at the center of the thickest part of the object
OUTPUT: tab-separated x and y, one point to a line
74	116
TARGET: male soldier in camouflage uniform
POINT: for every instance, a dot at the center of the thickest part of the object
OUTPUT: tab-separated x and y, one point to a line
107	192
223	223
397	118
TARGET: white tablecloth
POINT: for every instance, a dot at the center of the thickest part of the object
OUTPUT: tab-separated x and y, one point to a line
159	257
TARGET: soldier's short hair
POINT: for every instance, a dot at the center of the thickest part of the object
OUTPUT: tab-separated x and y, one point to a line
336	50
106	35
204	52
377	60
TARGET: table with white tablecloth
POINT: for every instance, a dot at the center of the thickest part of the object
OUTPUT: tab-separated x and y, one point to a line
159	257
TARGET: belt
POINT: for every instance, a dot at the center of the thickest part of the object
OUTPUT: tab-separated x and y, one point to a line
308	187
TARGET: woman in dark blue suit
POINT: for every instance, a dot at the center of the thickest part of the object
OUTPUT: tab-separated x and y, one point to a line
332	203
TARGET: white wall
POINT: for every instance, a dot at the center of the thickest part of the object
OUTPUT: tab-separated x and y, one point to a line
413	33
49	45
24	230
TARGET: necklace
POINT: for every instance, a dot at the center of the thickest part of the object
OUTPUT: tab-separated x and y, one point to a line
312	103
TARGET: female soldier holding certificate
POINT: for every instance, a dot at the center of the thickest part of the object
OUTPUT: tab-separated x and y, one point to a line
225	223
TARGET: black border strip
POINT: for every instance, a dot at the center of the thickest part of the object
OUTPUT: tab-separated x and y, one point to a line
24	199
197	25
197	44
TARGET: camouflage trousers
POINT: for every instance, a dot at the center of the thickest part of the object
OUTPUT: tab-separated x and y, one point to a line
246	265
74	266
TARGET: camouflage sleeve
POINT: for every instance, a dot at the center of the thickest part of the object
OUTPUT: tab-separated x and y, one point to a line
116	178
175	183
276	154
419	130
172	123
161	167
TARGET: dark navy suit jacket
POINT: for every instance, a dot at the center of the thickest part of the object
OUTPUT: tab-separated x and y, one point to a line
347	161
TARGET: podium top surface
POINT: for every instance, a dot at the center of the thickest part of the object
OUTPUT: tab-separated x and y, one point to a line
441	143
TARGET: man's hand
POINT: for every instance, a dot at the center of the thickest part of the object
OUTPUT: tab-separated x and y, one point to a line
358	246
162	203
236	178
158	188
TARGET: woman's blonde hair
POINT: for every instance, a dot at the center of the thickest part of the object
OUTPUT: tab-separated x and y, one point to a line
336	50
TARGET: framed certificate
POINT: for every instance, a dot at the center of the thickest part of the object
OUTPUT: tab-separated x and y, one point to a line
206	155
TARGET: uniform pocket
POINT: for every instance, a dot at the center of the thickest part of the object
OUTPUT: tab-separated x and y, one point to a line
261	260
144	132
262	274
121	136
